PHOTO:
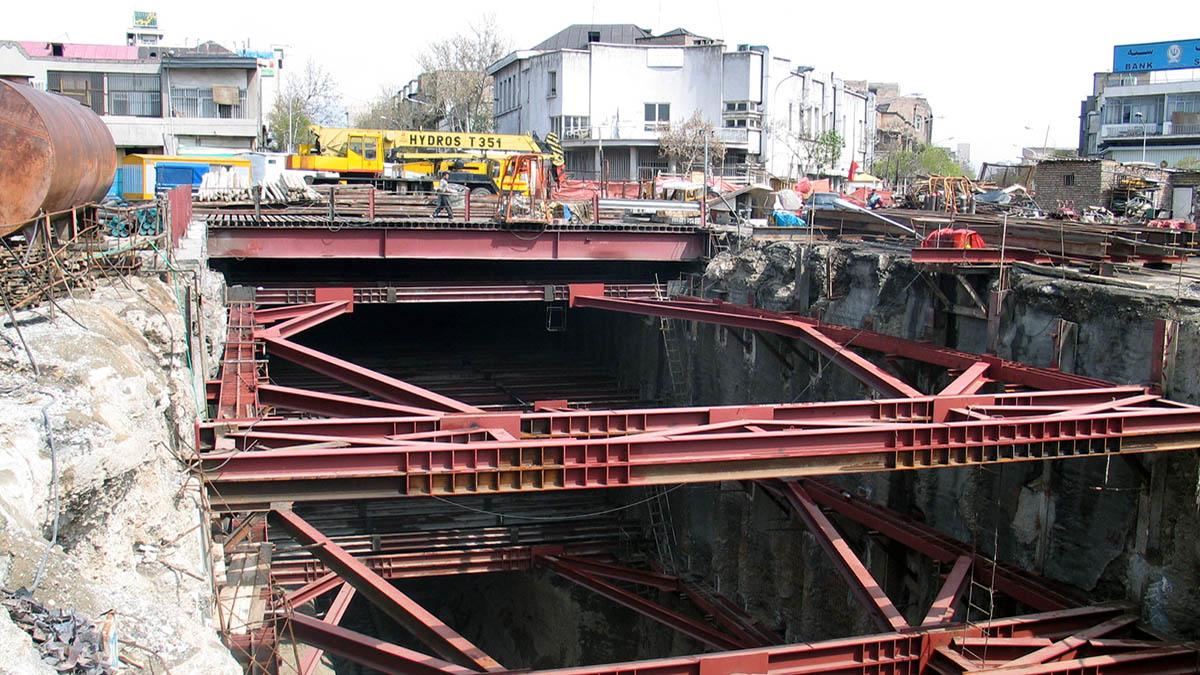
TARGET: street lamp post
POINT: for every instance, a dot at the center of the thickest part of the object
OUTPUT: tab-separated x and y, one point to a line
1142	119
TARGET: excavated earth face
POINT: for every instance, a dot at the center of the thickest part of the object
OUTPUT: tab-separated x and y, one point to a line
120	404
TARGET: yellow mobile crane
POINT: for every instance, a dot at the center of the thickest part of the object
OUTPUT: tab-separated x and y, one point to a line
386	157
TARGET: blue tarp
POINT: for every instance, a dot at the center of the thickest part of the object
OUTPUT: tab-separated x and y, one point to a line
787	219
172	174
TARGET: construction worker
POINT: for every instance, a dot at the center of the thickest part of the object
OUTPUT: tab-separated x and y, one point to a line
443	194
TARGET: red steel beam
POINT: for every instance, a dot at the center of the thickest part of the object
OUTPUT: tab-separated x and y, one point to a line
598	423
1019	584
730	314
1069	646
331	405
425	626
866	372
366	650
971	380
692	628
456	244
942	610
479	560
387	388
312	657
868	591
678	456
314	589
898	653
316	315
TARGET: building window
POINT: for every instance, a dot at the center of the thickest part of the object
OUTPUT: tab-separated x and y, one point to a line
1125	111
593	36
134	95
1068	179
87	88
201	102
658	116
552	84
570	126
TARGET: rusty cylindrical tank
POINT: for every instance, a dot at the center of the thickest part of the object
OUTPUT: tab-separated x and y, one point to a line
54	154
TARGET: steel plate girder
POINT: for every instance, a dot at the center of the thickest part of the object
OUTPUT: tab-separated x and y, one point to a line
678	456
452	244
425	626
600	423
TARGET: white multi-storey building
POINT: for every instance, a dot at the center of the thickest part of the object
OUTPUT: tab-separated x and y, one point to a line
1150	115
610	91
154	99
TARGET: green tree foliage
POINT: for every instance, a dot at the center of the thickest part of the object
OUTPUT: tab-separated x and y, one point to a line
1189	163
825	151
898	166
684	143
307	97
454	82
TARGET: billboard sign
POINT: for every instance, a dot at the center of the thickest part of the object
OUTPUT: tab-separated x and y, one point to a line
1156	56
145	19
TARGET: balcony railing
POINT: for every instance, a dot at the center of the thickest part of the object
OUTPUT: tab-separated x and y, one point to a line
1182	129
1128	130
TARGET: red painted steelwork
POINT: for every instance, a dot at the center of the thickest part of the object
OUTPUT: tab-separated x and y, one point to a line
740	449
412	293
179	210
729	314
971	381
387	388
452	244
942	610
692	628
330	405
237	398
425	626
1019	584
366	650
866	372
315	314
312	657
868	591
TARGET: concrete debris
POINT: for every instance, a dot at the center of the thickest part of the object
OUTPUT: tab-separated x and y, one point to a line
67	642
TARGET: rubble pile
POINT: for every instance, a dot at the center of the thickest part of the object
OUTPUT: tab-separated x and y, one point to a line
67	642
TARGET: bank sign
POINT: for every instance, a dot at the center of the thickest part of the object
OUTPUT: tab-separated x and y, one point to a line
1156	56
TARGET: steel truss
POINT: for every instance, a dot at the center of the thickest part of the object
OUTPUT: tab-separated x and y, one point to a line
270	446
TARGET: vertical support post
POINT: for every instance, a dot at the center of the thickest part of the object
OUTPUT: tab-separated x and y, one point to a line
1066	337
256	192
371	204
332	199
803	280
595	208
467	206
993	321
1162	356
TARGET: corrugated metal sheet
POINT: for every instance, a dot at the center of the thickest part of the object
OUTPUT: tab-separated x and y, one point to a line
81	51
576	36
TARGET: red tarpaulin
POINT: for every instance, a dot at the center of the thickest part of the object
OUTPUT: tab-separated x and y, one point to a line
860	195
575	190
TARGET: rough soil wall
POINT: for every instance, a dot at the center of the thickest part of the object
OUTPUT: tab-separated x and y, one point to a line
120	405
1088	523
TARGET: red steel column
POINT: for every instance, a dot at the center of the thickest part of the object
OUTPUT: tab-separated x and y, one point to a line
333	617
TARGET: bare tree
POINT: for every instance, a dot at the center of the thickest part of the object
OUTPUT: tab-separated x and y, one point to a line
390	110
455	83
684	143
307	97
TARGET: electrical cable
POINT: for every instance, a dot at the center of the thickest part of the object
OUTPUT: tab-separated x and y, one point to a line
37	577
572	517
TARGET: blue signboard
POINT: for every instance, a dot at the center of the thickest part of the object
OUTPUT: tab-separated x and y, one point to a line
1156	56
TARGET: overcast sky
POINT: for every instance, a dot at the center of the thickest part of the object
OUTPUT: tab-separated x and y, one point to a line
997	74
